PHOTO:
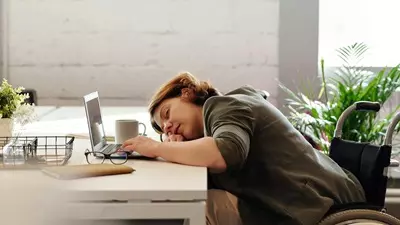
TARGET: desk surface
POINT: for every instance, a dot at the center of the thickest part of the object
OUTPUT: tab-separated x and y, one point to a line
152	180
155	180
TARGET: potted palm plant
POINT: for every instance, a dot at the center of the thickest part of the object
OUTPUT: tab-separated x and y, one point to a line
316	117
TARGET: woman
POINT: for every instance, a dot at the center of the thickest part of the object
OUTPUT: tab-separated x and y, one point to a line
261	169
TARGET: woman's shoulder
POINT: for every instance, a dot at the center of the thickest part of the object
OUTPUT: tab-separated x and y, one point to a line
246	90
231	108
236	98
236	104
223	103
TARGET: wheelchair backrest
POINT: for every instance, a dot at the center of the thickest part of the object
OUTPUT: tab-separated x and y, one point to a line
367	162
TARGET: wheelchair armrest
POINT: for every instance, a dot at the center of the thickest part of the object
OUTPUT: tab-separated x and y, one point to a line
394	163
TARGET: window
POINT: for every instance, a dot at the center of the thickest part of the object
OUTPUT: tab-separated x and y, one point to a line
374	22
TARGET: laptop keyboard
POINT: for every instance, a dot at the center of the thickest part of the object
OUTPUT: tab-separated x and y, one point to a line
111	148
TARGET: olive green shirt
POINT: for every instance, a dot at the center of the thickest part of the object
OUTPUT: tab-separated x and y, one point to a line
278	177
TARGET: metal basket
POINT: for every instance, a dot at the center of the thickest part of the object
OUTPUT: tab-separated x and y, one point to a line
35	151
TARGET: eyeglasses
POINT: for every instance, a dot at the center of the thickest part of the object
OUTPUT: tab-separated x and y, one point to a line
116	158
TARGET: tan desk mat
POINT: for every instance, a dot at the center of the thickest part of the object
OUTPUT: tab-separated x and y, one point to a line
86	170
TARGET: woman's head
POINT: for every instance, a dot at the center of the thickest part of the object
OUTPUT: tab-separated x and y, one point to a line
177	106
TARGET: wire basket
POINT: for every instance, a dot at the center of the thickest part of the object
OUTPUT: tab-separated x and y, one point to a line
35	151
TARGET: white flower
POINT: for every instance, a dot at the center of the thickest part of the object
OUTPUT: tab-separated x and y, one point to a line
24	114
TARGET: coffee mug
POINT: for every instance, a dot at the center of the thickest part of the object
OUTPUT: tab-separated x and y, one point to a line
126	129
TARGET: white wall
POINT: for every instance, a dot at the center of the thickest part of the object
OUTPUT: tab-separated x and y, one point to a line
126	49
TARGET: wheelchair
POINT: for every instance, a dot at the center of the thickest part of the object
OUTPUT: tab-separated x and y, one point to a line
369	163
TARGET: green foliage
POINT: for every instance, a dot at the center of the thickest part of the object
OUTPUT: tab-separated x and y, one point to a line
10	99
317	117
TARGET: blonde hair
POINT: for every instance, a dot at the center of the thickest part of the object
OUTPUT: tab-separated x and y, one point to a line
201	91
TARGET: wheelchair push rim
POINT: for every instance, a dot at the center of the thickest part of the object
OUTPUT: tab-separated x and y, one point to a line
360	217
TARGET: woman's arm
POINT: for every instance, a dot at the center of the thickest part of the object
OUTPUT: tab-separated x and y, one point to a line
230	124
200	152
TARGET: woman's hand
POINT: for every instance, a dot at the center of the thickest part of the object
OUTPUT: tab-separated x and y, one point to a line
143	145
173	138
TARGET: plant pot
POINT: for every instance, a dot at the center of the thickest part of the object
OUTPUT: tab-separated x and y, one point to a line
6	127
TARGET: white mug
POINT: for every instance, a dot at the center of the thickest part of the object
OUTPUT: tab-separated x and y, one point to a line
126	129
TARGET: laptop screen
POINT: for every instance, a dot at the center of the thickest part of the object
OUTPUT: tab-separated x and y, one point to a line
95	122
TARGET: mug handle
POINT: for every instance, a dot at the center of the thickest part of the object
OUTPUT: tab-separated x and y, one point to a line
144	126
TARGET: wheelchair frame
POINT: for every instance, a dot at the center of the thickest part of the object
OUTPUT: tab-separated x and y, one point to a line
376	164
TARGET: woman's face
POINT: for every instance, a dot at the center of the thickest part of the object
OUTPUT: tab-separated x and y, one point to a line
179	116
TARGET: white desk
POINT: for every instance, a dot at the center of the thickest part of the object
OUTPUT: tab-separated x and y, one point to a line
156	190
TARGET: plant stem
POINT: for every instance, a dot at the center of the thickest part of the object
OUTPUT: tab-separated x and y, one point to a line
323	79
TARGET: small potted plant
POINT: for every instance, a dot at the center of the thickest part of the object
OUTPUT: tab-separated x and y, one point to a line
13	109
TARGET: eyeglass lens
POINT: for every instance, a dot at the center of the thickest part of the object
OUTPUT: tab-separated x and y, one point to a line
119	157
95	157
99	158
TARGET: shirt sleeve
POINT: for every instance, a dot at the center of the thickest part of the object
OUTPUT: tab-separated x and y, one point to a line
231	123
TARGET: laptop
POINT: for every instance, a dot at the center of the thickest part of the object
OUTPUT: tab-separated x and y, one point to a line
97	133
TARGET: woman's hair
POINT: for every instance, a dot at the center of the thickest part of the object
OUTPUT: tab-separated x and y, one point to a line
200	92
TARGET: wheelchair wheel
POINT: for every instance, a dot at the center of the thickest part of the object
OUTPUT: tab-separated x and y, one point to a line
360	217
